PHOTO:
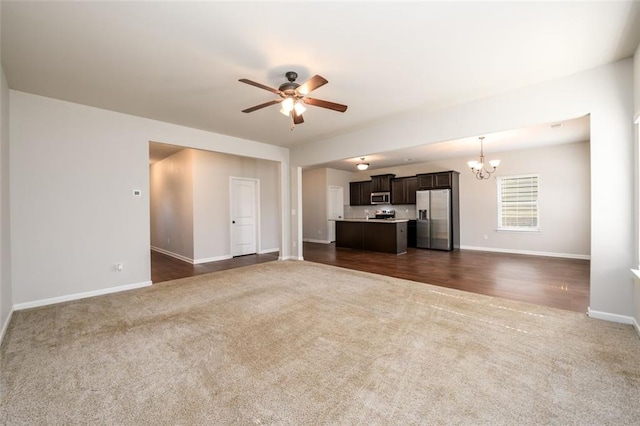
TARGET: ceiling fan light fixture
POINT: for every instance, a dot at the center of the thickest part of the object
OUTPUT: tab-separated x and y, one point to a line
300	109
287	106
293	97
362	165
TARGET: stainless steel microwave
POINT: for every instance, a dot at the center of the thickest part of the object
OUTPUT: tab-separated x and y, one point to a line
380	198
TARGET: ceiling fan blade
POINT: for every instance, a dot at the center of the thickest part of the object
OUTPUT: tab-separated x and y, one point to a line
310	85
261	86
325	104
297	119
266	104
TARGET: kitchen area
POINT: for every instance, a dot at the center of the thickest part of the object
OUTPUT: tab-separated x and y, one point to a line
389	214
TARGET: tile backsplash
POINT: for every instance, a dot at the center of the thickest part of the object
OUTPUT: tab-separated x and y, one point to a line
403	211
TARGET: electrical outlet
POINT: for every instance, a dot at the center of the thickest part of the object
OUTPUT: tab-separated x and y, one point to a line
486	237
119	267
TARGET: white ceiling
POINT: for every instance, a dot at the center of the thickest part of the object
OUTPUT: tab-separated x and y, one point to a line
180	62
568	131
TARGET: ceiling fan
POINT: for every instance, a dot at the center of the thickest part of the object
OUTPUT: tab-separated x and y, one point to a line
293	96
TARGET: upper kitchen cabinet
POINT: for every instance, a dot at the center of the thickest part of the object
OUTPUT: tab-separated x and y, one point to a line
440	180
381	183
404	190
360	193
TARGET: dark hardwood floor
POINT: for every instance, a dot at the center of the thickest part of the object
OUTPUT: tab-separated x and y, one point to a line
549	281
166	268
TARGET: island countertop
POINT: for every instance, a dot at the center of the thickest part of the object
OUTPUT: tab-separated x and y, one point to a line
385	235
372	220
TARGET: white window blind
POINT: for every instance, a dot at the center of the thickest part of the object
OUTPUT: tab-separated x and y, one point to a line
518	203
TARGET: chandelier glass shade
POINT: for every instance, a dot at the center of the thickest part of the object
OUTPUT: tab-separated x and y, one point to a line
362	165
479	167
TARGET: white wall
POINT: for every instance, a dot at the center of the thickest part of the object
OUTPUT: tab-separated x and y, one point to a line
6	294
636	83
636	91
73	169
605	92
171	193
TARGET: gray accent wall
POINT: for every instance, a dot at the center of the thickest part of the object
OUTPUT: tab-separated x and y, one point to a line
171	193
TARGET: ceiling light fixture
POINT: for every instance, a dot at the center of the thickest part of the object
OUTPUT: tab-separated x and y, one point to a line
478	168
362	165
287	106
300	109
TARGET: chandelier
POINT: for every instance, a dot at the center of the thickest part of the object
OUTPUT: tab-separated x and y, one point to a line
478	167
362	165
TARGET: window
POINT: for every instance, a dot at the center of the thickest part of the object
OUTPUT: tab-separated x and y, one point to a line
518	203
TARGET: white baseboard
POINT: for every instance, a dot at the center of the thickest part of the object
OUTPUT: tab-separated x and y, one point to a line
76	296
172	254
311	240
607	316
211	259
5	326
205	259
529	252
271	250
290	258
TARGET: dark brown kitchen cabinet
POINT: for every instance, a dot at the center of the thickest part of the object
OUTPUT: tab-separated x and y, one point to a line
360	193
403	190
381	183
440	180
425	181
388	237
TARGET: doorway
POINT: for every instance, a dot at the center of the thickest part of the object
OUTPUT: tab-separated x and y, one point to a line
335	210
244	215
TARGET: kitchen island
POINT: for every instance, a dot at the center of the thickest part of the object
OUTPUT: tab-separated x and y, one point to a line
384	235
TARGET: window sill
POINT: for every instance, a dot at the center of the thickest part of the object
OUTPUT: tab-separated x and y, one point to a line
529	231
637	274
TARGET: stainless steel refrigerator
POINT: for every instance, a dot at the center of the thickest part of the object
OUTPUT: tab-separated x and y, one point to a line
433	224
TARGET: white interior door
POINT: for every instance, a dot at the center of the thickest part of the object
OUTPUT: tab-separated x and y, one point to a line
335	207
244	216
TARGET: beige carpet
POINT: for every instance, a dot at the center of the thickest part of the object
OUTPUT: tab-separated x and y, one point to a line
303	343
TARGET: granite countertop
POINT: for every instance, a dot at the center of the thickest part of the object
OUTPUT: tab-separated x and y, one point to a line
373	220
